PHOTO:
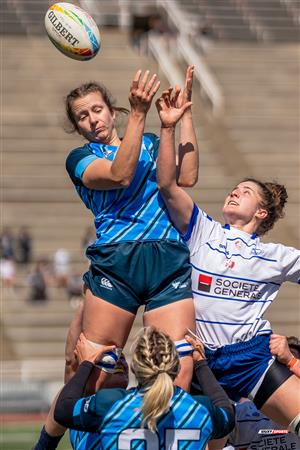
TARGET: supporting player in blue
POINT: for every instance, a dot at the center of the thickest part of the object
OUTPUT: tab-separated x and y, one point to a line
155	415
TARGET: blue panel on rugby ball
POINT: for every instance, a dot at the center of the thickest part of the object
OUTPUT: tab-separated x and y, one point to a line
73	31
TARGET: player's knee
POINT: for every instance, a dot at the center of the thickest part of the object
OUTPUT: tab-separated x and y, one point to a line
294	426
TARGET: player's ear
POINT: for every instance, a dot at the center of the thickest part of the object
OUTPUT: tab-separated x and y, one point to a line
261	214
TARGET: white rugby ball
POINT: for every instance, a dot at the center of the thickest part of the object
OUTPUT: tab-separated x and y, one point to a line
73	31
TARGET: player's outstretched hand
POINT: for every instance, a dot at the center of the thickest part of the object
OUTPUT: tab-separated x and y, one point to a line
186	95
279	347
198	353
142	91
168	107
85	350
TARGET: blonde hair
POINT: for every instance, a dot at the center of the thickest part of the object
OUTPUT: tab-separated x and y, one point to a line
155	363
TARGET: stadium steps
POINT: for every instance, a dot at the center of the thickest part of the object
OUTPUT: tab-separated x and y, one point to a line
230	20
261	89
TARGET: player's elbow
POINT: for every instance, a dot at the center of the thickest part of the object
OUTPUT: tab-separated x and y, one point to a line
165	187
188	181
123	182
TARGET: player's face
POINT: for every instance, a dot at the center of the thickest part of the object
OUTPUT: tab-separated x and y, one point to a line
94	119
243	204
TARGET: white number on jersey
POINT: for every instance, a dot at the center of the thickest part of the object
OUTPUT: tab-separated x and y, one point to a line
152	439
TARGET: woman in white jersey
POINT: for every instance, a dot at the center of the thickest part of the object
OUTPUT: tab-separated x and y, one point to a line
235	278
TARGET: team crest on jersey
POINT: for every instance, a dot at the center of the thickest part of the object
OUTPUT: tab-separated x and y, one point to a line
204	282
230	264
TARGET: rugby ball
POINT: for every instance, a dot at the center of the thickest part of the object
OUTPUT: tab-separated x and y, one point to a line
73	31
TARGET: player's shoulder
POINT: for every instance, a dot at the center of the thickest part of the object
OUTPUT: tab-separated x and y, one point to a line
79	152
77	161
201	402
106	398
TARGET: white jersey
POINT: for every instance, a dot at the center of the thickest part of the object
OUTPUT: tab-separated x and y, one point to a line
254	431
235	279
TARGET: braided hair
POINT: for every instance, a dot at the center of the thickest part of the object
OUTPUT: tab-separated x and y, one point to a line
155	363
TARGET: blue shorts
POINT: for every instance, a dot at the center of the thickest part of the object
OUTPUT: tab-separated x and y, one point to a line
131	274
239	367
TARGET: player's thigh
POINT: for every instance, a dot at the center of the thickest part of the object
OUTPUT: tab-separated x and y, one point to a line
284	403
105	323
173	319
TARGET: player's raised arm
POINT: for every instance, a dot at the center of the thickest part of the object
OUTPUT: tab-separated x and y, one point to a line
178	202
188	154
104	174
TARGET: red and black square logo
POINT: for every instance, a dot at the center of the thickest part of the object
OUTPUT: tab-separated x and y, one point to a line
204	283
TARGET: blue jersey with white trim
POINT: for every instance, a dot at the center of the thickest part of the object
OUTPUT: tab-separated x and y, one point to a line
189	423
126	214
235	278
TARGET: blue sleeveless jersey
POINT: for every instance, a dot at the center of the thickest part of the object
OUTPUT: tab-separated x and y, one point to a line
117	425
126	214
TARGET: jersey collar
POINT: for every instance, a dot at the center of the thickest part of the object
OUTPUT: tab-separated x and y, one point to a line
241	232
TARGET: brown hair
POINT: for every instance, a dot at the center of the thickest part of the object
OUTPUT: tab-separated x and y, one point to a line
82	91
274	197
155	363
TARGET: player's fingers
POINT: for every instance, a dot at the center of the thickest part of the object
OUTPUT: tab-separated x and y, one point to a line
136	79
104	349
143	81
190	340
159	104
154	89
176	94
150	83
186	106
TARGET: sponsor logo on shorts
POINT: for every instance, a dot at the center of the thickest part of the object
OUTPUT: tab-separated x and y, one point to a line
86	405
106	283
204	282
179	285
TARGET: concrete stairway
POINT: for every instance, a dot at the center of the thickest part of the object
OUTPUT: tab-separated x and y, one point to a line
235	20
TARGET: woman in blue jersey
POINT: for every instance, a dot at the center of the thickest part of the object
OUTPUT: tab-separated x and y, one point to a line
156	414
138	257
235	278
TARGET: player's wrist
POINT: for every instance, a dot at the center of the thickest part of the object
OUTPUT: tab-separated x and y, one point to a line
171	127
292	362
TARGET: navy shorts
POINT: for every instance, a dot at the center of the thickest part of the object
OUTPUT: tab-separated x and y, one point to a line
131	274
240	368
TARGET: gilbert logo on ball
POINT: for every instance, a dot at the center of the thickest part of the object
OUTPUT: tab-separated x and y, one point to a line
73	31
